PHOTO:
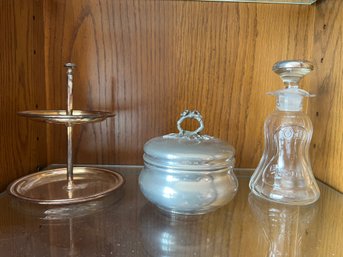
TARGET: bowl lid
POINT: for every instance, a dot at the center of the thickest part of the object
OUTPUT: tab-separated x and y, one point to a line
188	150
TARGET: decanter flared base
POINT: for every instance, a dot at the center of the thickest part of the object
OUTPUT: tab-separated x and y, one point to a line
290	197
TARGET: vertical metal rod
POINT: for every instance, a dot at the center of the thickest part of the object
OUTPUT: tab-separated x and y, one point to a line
70	157
70	67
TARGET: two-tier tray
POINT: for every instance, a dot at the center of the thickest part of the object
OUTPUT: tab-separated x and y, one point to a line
71	184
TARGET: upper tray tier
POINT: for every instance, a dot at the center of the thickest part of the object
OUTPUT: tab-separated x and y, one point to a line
61	116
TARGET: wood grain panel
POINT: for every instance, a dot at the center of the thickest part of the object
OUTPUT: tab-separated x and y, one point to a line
150	60
23	143
327	84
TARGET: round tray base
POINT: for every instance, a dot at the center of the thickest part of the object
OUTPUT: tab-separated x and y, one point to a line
50	186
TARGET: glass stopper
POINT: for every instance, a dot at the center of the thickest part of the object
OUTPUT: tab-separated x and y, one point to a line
292	71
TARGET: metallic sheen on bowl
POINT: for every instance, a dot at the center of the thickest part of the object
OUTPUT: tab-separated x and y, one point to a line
188	173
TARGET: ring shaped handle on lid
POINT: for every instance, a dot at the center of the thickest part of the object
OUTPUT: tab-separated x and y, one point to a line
190	115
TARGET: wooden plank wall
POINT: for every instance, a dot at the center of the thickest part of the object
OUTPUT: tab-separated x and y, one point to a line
23	143
150	60
327	84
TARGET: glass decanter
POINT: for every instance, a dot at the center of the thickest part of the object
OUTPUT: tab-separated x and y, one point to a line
284	173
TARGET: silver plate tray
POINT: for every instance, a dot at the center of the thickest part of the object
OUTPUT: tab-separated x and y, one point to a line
50	186
61	116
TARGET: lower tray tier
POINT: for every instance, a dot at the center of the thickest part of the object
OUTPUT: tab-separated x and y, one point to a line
50	186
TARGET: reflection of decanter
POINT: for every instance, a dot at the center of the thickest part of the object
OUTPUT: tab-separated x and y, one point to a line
284	173
284	226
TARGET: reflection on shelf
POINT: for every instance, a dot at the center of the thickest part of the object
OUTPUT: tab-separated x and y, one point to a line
165	234
283	225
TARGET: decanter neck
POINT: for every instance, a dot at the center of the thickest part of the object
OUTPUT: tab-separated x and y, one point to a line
290	99
289	104
291	84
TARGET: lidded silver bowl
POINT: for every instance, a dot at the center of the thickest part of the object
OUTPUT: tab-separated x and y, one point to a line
188	173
